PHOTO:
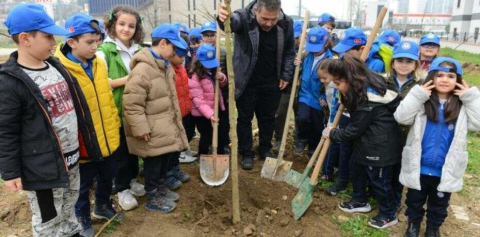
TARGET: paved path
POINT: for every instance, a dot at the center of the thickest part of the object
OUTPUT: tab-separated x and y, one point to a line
6	51
468	47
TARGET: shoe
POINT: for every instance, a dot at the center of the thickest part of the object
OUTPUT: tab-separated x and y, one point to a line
87	229
180	175
106	212
157	202
413	229
136	188
336	188
299	148
127	200
165	191
432	231
172	182
263	156
276	145
382	222
353	207
247	163
187	156
326	177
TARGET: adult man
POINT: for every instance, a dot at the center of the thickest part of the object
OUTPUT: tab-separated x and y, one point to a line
263	65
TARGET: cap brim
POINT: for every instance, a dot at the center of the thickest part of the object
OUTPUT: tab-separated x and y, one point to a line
297	33
55	30
314	48
342	48
406	55
209	30
177	44
181	53
212	63
430	41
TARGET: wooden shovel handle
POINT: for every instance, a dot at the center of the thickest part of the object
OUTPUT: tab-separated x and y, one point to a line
373	33
216	100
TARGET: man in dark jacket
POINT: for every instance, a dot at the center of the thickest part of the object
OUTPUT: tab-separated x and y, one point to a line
263	65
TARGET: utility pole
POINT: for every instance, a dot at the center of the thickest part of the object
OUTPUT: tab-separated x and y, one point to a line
299	7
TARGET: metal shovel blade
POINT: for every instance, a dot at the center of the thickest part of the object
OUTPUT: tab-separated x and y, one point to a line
268	169
214	170
295	179
303	199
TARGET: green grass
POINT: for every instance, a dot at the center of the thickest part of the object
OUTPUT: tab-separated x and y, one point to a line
112	226
473	153
357	226
461	56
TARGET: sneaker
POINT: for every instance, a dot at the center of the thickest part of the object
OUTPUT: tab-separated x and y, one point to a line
180	175
413	229
172	182
126	200
187	156
106	212
353	206
165	191
382	222
335	189
157	202
136	188
276	145
432	231
264	155
299	148
247	162
87	229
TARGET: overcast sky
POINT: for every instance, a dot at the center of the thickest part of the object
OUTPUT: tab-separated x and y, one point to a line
338	8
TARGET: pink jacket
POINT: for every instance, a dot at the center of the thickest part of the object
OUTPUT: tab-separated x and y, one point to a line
203	95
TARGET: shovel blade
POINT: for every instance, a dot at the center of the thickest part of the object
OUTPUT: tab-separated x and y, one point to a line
268	169
303	199
296	179
214	170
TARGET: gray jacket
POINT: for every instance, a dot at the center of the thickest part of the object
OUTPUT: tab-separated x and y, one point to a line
411	111
247	38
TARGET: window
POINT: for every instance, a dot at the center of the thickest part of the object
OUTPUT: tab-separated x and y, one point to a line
458	3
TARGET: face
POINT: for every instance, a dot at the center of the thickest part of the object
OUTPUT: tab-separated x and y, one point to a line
208	37
328	27
404	66
40	46
341	85
297	42
177	60
325	78
429	50
445	81
125	27
267	19
166	50
84	47
355	53
195	45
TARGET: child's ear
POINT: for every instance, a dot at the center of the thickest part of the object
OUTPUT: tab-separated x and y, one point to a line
24	39
72	43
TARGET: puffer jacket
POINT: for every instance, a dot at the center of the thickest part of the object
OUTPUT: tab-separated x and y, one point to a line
411	111
183	91
100	102
203	94
150	106
403	91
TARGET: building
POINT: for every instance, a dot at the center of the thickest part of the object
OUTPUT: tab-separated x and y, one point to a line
422	15
465	23
372	11
99	7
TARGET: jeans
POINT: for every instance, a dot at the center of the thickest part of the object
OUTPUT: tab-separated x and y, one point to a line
310	125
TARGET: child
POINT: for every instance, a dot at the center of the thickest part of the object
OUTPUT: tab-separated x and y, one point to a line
390	37
375	135
124	33
78	57
432	168
327	21
194	41
202	88
310	112
43	113
429	50
153	123
297	31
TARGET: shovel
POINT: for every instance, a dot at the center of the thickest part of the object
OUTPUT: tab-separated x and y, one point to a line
294	178
276	168
214	169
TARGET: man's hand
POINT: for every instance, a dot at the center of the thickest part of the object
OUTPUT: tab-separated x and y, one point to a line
283	84
223	13
14	185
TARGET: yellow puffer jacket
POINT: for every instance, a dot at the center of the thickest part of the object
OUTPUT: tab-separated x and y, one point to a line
99	97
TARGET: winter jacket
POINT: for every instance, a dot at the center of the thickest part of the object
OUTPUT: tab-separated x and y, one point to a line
375	134
183	91
247	38
406	87
150	106
100	103
412	112
29	146
203	94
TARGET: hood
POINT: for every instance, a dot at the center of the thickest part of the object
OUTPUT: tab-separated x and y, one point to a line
75	68
145	56
249	9
391	99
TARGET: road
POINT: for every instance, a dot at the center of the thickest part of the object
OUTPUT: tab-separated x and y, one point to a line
468	47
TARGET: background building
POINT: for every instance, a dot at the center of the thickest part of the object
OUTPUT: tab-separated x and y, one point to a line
422	15
465	24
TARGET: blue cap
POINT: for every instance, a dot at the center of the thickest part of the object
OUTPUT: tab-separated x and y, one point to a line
180	51
170	32
406	49
390	37
325	17
353	37
195	32
79	24
316	39
181	27
209	26
30	16
438	61
430	38
297	28
206	56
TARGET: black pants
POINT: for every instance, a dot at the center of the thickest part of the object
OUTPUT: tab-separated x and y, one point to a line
310	125
189	125
381	179
205	128
155	169
224	128
339	152
437	202
127	164
261	101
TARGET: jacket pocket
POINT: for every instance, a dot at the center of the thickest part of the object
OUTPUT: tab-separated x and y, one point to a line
407	160
460	159
39	161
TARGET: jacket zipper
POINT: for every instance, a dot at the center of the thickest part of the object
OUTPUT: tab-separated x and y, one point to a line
437	139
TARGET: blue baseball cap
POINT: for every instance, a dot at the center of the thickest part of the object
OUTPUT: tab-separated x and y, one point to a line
79	24
430	38
316	39
438	61
209	26
195	32
297	28
181	27
325	17
406	49
353	37
170	32
390	37
31	16
180	51
206	56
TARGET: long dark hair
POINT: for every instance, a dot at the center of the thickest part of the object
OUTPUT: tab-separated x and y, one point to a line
199	69
111	18
358	77
451	107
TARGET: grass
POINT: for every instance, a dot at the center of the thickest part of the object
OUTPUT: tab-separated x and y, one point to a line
473	153
358	226
112	226
461	56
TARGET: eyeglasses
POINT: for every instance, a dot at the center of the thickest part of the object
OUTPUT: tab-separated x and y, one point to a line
209	35
430	45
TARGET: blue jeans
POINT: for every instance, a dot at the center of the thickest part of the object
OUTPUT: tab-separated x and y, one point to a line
310	125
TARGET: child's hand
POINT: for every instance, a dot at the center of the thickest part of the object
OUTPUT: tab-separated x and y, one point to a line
463	88
223	13
326	132
145	137
219	74
213	120
297	62
14	185
323	103
427	87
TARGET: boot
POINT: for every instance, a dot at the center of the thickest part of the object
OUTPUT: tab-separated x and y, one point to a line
413	229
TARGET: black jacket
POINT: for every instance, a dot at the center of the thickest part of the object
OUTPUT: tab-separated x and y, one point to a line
29	146
247	38
376	136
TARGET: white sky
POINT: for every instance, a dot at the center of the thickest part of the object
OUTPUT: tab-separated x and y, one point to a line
338	8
